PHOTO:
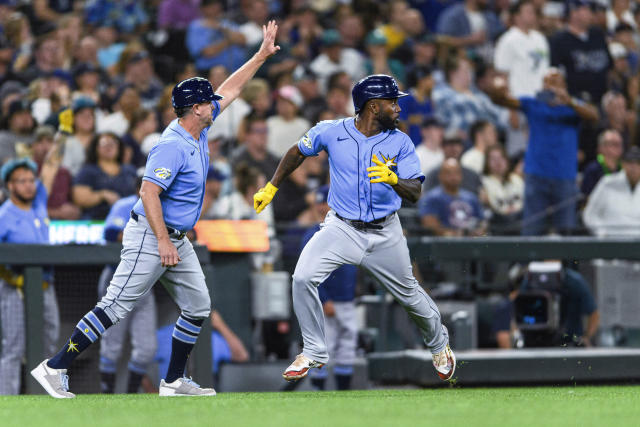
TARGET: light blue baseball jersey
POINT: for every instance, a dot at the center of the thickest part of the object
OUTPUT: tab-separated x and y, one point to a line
179	164
351	194
118	217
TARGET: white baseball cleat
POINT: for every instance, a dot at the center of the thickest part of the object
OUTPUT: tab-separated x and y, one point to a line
184	387
54	381
300	368
445	363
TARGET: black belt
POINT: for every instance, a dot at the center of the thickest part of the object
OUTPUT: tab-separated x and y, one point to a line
172	231
361	225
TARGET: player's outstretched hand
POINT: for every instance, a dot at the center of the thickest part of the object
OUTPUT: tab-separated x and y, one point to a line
381	172
263	197
268	46
168	253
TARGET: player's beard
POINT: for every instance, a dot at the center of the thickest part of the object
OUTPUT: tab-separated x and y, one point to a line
386	122
23	199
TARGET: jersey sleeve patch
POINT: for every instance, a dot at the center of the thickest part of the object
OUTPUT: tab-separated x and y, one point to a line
162	173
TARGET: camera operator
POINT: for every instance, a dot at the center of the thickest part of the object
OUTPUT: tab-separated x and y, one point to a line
547	309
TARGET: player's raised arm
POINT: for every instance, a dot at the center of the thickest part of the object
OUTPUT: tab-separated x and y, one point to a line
230	89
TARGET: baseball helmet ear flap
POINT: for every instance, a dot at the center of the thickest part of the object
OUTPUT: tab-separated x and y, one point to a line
377	86
195	90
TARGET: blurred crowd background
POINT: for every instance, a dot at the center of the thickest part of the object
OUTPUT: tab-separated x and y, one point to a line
524	114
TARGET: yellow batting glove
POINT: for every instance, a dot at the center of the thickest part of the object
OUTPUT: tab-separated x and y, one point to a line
263	197
65	119
381	172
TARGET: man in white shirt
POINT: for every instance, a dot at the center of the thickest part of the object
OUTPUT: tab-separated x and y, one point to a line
335	57
483	134
429	150
287	126
257	14
523	52
614	205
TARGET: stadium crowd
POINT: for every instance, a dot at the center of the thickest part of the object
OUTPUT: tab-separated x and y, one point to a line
524	113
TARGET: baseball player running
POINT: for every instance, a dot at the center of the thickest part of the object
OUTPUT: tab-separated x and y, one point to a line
372	167
154	243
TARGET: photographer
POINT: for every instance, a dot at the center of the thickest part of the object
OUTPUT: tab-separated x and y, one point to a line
547	309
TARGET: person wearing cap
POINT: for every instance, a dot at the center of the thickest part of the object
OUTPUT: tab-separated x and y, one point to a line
581	51
18	124
613	208
522	53
286	126
429	149
154	240
417	106
378	60
213	40
75	148
337	294
59	205
23	220
87	78
334	57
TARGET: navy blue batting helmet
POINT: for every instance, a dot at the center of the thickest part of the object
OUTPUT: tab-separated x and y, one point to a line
377	86
195	90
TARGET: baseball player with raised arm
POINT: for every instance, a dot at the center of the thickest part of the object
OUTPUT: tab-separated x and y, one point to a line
154	243
373	166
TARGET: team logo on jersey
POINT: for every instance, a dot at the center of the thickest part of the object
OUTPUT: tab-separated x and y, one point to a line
306	141
162	173
389	161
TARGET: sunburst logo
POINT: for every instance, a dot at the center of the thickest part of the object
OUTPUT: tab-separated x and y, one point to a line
73	346
389	161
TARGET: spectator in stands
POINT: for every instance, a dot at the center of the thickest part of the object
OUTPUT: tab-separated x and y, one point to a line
394	32
19	37
620	73
613	208
551	158
138	71
337	294
87	52
581	52
212	40
417	106
48	55
19	125
212	192
103	179
616	116
254	151
452	149
287	126
610	148
178	14
620	12
378	61
625	34
87	79
314	103
59	205
458	104
351	29
127	16
109	47
504	192
24	220
49	93
339	101
10	91
335	57
84	112
523	52
449	210
429	150
143	124
472	25
126	103
483	135
257	13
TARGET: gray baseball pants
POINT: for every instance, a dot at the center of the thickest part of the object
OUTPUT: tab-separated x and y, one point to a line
140	268
384	253
141	326
13	333
342	333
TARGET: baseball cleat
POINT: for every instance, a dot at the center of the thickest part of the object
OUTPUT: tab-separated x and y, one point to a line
300	368
184	387
54	381
445	363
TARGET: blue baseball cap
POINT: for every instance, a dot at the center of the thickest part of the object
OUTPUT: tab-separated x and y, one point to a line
13	164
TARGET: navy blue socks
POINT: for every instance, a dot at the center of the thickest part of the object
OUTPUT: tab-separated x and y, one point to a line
185	334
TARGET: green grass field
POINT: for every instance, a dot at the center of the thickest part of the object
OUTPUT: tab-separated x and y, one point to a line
540	406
